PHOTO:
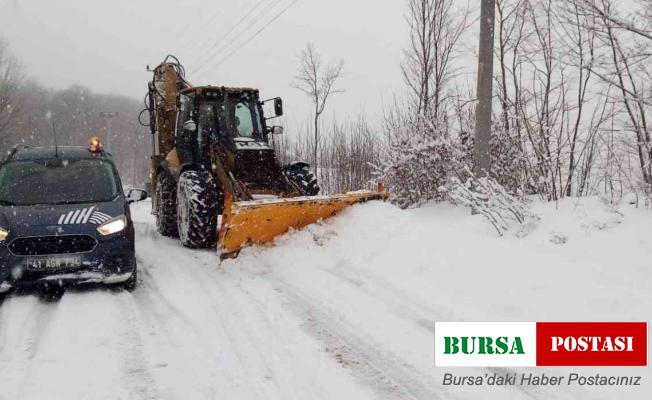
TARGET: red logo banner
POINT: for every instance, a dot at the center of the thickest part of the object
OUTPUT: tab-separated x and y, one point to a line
591	344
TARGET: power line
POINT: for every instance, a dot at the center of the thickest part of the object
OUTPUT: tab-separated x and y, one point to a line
235	31
283	11
216	14
227	32
248	20
190	21
252	37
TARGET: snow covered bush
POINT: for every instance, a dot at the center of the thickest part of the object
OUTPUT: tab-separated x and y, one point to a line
419	158
508	165
489	198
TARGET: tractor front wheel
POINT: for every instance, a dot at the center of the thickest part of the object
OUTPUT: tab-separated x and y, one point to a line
197	209
165	205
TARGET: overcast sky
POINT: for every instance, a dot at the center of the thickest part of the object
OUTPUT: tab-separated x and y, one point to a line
106	45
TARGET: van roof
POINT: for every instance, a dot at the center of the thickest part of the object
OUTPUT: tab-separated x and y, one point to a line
22	153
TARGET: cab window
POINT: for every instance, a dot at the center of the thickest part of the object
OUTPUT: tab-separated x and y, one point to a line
244	120
185	110
207	120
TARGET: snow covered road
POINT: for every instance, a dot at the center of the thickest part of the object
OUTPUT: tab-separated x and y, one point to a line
343	310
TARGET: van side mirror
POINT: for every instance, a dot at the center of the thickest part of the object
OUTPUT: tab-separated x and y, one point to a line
190	126
135	195
278	106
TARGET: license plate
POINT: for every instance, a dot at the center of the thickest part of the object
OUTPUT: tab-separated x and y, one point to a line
53	263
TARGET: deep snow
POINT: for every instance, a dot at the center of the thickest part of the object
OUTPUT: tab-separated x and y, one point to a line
344	309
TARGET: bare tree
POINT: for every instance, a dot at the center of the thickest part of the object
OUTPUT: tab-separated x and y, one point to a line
317	81
604	11
551	109
422	149
626	64
435	30
11	77
579	40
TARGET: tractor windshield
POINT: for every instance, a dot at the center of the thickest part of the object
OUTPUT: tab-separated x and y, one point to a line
238	117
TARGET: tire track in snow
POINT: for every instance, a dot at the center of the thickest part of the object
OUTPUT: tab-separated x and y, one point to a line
245	331
33	326
152	294
221	326
25	342
256	325
395	375
175	336
401	304
406	307
136	372
162	307
386	373
84	343
238	330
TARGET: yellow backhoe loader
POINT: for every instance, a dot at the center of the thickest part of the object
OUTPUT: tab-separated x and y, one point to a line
212	157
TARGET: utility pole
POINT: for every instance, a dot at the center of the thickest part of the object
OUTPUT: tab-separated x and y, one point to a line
48	116
134	157
108	116
485	87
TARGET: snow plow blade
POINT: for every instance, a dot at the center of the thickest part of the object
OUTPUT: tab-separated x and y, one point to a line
260	221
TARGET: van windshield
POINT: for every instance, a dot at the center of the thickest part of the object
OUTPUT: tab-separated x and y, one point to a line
58	181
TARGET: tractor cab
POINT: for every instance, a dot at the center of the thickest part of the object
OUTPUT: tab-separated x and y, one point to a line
225	113
229	123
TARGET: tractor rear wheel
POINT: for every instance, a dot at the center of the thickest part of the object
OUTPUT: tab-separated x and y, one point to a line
301	174
165	205
197	209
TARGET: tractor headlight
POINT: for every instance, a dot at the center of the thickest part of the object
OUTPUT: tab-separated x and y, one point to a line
115	225
3	234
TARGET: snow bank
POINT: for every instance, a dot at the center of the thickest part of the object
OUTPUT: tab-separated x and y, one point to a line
389	274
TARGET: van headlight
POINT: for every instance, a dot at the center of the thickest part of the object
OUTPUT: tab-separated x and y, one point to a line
115	225
3	234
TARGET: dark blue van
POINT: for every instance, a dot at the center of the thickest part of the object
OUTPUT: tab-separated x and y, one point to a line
64	219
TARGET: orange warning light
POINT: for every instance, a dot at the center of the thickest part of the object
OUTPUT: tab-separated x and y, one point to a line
95	145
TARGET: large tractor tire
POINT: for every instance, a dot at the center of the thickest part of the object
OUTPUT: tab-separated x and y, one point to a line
166	205
301	174
197	209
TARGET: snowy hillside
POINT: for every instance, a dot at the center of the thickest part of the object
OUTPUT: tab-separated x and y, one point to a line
342	310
